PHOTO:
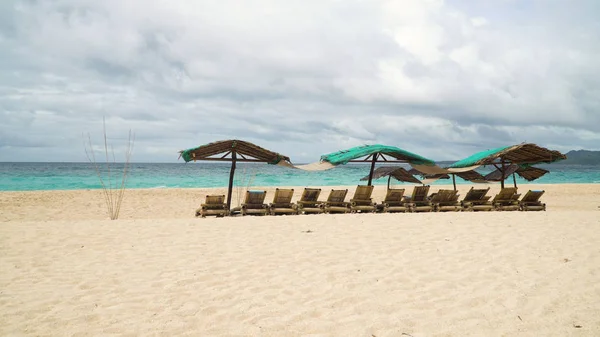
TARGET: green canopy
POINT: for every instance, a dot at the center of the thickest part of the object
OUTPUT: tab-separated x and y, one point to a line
521	154
373	153
345	156
514	154
472	160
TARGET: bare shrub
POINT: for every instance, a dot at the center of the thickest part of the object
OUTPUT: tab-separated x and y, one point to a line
114	181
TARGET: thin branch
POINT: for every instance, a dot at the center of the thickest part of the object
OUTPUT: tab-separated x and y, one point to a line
92	160
130	142
112	197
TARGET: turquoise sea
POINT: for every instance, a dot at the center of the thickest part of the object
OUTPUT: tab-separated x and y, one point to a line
75	176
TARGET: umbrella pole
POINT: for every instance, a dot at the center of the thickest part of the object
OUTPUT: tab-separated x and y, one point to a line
515	180
503	177
454	181
389	179
231	173
372	167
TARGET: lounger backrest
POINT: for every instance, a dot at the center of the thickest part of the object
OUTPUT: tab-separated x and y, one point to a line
394	195
420	193
255	197
215	200
337	196
532	196
283	196
435	197
506	194
310	194
454	196
363	192
476	194
444	196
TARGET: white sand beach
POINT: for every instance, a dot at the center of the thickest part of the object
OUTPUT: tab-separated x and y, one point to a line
158	271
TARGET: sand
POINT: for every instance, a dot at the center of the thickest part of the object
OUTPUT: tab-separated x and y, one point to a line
66	270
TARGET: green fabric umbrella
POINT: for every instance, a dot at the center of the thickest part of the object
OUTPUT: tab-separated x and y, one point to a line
374	153
501	158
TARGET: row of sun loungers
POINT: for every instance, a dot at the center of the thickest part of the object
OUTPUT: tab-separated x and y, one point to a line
395	201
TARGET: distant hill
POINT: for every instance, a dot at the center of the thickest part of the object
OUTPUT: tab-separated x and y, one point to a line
582	157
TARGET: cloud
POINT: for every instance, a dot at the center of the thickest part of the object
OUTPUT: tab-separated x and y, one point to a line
439	78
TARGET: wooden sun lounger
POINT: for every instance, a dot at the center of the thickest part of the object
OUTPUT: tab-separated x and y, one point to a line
362	202
477	200
506	200
419	202
255	203
335	202
531	201
393	201
446	201
309	202
213	205
282	202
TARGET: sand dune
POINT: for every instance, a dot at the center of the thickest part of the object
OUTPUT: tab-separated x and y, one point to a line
67	271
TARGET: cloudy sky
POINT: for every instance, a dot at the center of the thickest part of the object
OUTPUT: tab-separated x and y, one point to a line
301	77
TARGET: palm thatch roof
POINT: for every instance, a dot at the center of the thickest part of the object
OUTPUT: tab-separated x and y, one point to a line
472	176
527	172
436	176
531	173
525	153
398	173
382	151
220	150
497	175
414	171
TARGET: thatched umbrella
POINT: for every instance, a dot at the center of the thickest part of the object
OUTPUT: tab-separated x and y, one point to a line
228	150
472	176
372	154
428	177
529	173
501	158
399	173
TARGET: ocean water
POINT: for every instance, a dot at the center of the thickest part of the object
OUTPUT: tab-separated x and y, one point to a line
75	176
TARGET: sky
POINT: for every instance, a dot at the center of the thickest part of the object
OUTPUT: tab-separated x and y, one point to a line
442	79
